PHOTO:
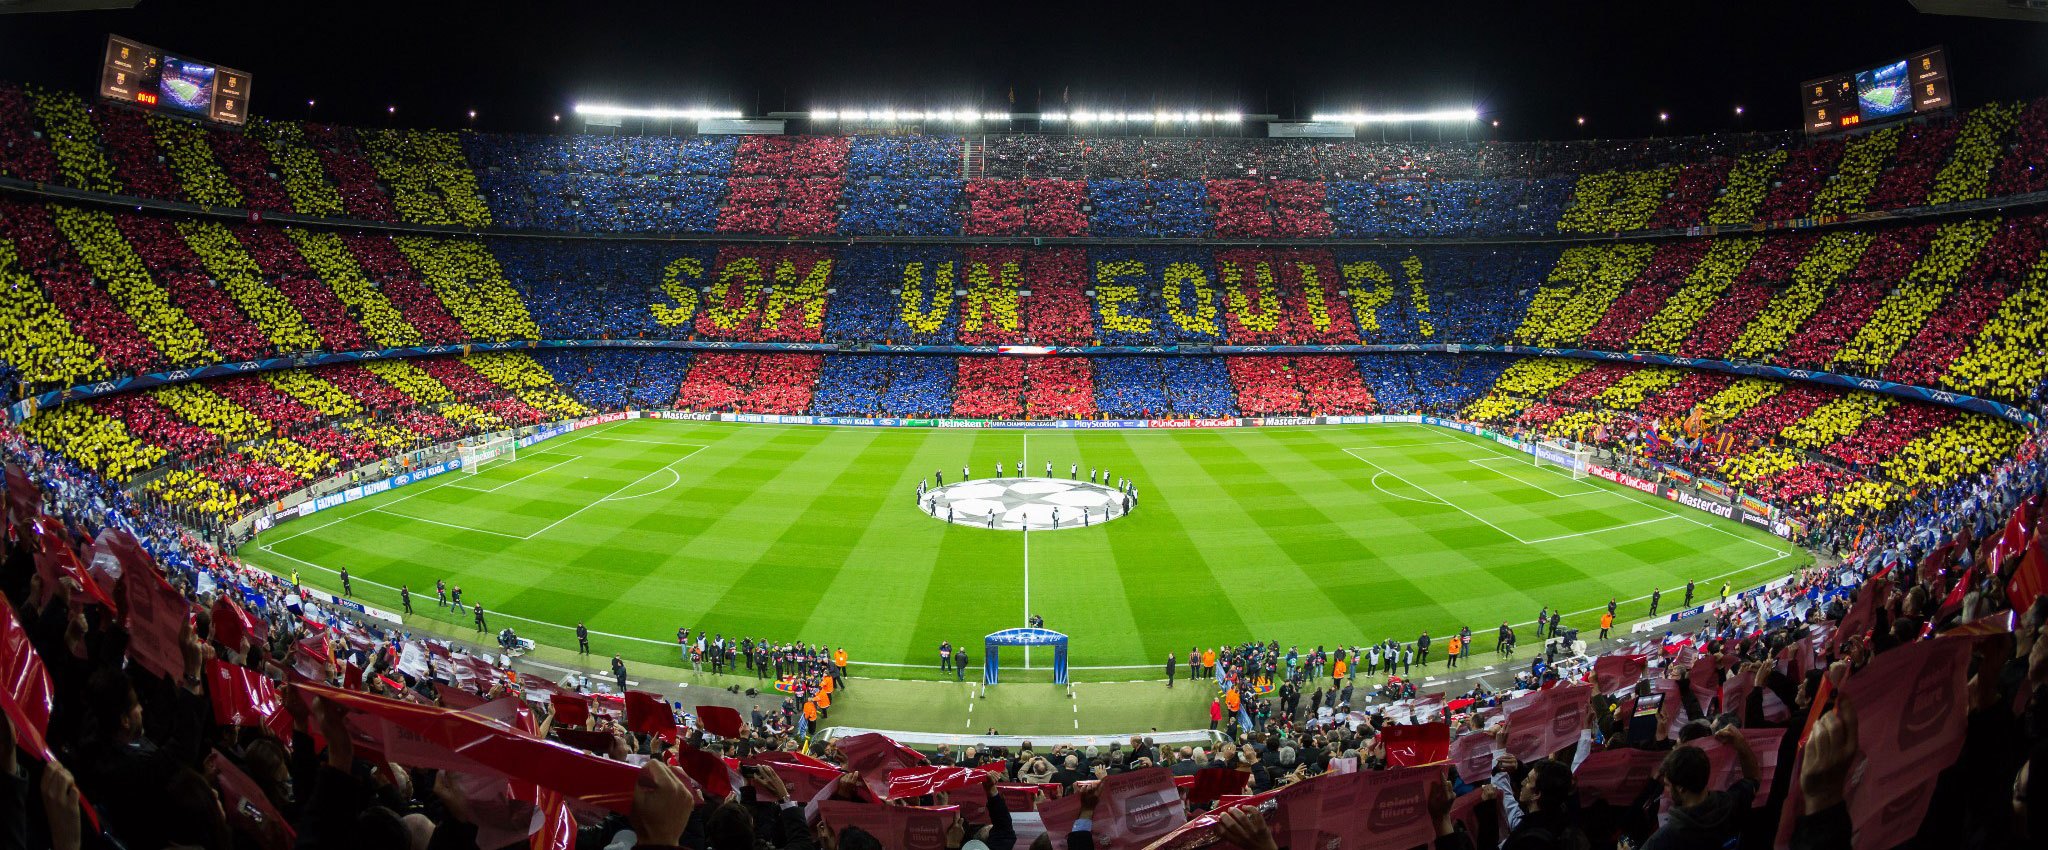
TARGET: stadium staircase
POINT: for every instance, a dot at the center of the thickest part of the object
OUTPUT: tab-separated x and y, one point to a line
973	158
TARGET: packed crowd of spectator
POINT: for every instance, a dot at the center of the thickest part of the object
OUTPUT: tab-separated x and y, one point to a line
851	385
1026	185
1843	457
151	294
1764	705
1148	387
755	383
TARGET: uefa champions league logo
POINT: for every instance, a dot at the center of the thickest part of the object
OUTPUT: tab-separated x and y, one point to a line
1020	504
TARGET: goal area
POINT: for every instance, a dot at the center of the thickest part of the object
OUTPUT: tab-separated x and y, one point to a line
1568	457
479	453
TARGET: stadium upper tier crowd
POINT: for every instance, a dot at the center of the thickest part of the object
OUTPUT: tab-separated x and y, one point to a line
924	185
1956	305
1893	700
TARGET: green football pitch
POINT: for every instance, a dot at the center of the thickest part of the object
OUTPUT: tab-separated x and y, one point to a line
1307	535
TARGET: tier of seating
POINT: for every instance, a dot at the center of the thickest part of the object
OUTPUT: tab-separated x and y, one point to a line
233	443
925	185
1956	305
1828	452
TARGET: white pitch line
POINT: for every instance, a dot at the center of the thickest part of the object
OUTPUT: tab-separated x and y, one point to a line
613	497
393	589
1602	530
1489	523
674	478
446	479
380	510
1778	555
1738	571
572	514
503	484
1482	462
1376	486
649	442
1653	505
1025	456
1027	591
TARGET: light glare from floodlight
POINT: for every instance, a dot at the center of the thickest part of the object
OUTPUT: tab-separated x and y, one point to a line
1438	116
887	115
1163	116
600	110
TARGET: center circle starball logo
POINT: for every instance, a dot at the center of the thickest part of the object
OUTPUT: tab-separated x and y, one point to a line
1028	504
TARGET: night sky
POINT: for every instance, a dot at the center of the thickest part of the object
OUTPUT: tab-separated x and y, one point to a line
1534	65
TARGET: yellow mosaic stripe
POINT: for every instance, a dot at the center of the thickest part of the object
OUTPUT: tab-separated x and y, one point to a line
97	241
35	337
238	274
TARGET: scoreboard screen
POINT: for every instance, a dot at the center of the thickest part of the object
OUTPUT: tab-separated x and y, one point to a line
1915	84
153	79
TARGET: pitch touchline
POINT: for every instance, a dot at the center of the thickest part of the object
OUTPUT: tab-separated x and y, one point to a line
1780	556
1765	562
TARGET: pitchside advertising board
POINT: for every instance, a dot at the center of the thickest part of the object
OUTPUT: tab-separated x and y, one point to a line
321	597
1662	620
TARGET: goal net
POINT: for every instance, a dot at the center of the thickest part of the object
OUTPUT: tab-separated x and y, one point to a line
479	453
1569	457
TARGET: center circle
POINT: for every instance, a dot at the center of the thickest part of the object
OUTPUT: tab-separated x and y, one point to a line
1026	504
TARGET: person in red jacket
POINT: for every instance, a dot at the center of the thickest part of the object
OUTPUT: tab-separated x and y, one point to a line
1215	712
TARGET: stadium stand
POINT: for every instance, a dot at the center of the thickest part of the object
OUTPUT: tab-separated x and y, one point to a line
1915	492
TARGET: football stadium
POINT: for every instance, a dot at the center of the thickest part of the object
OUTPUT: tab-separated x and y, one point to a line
431	432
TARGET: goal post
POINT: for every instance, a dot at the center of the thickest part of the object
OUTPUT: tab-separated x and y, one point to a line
486	451
1568	457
